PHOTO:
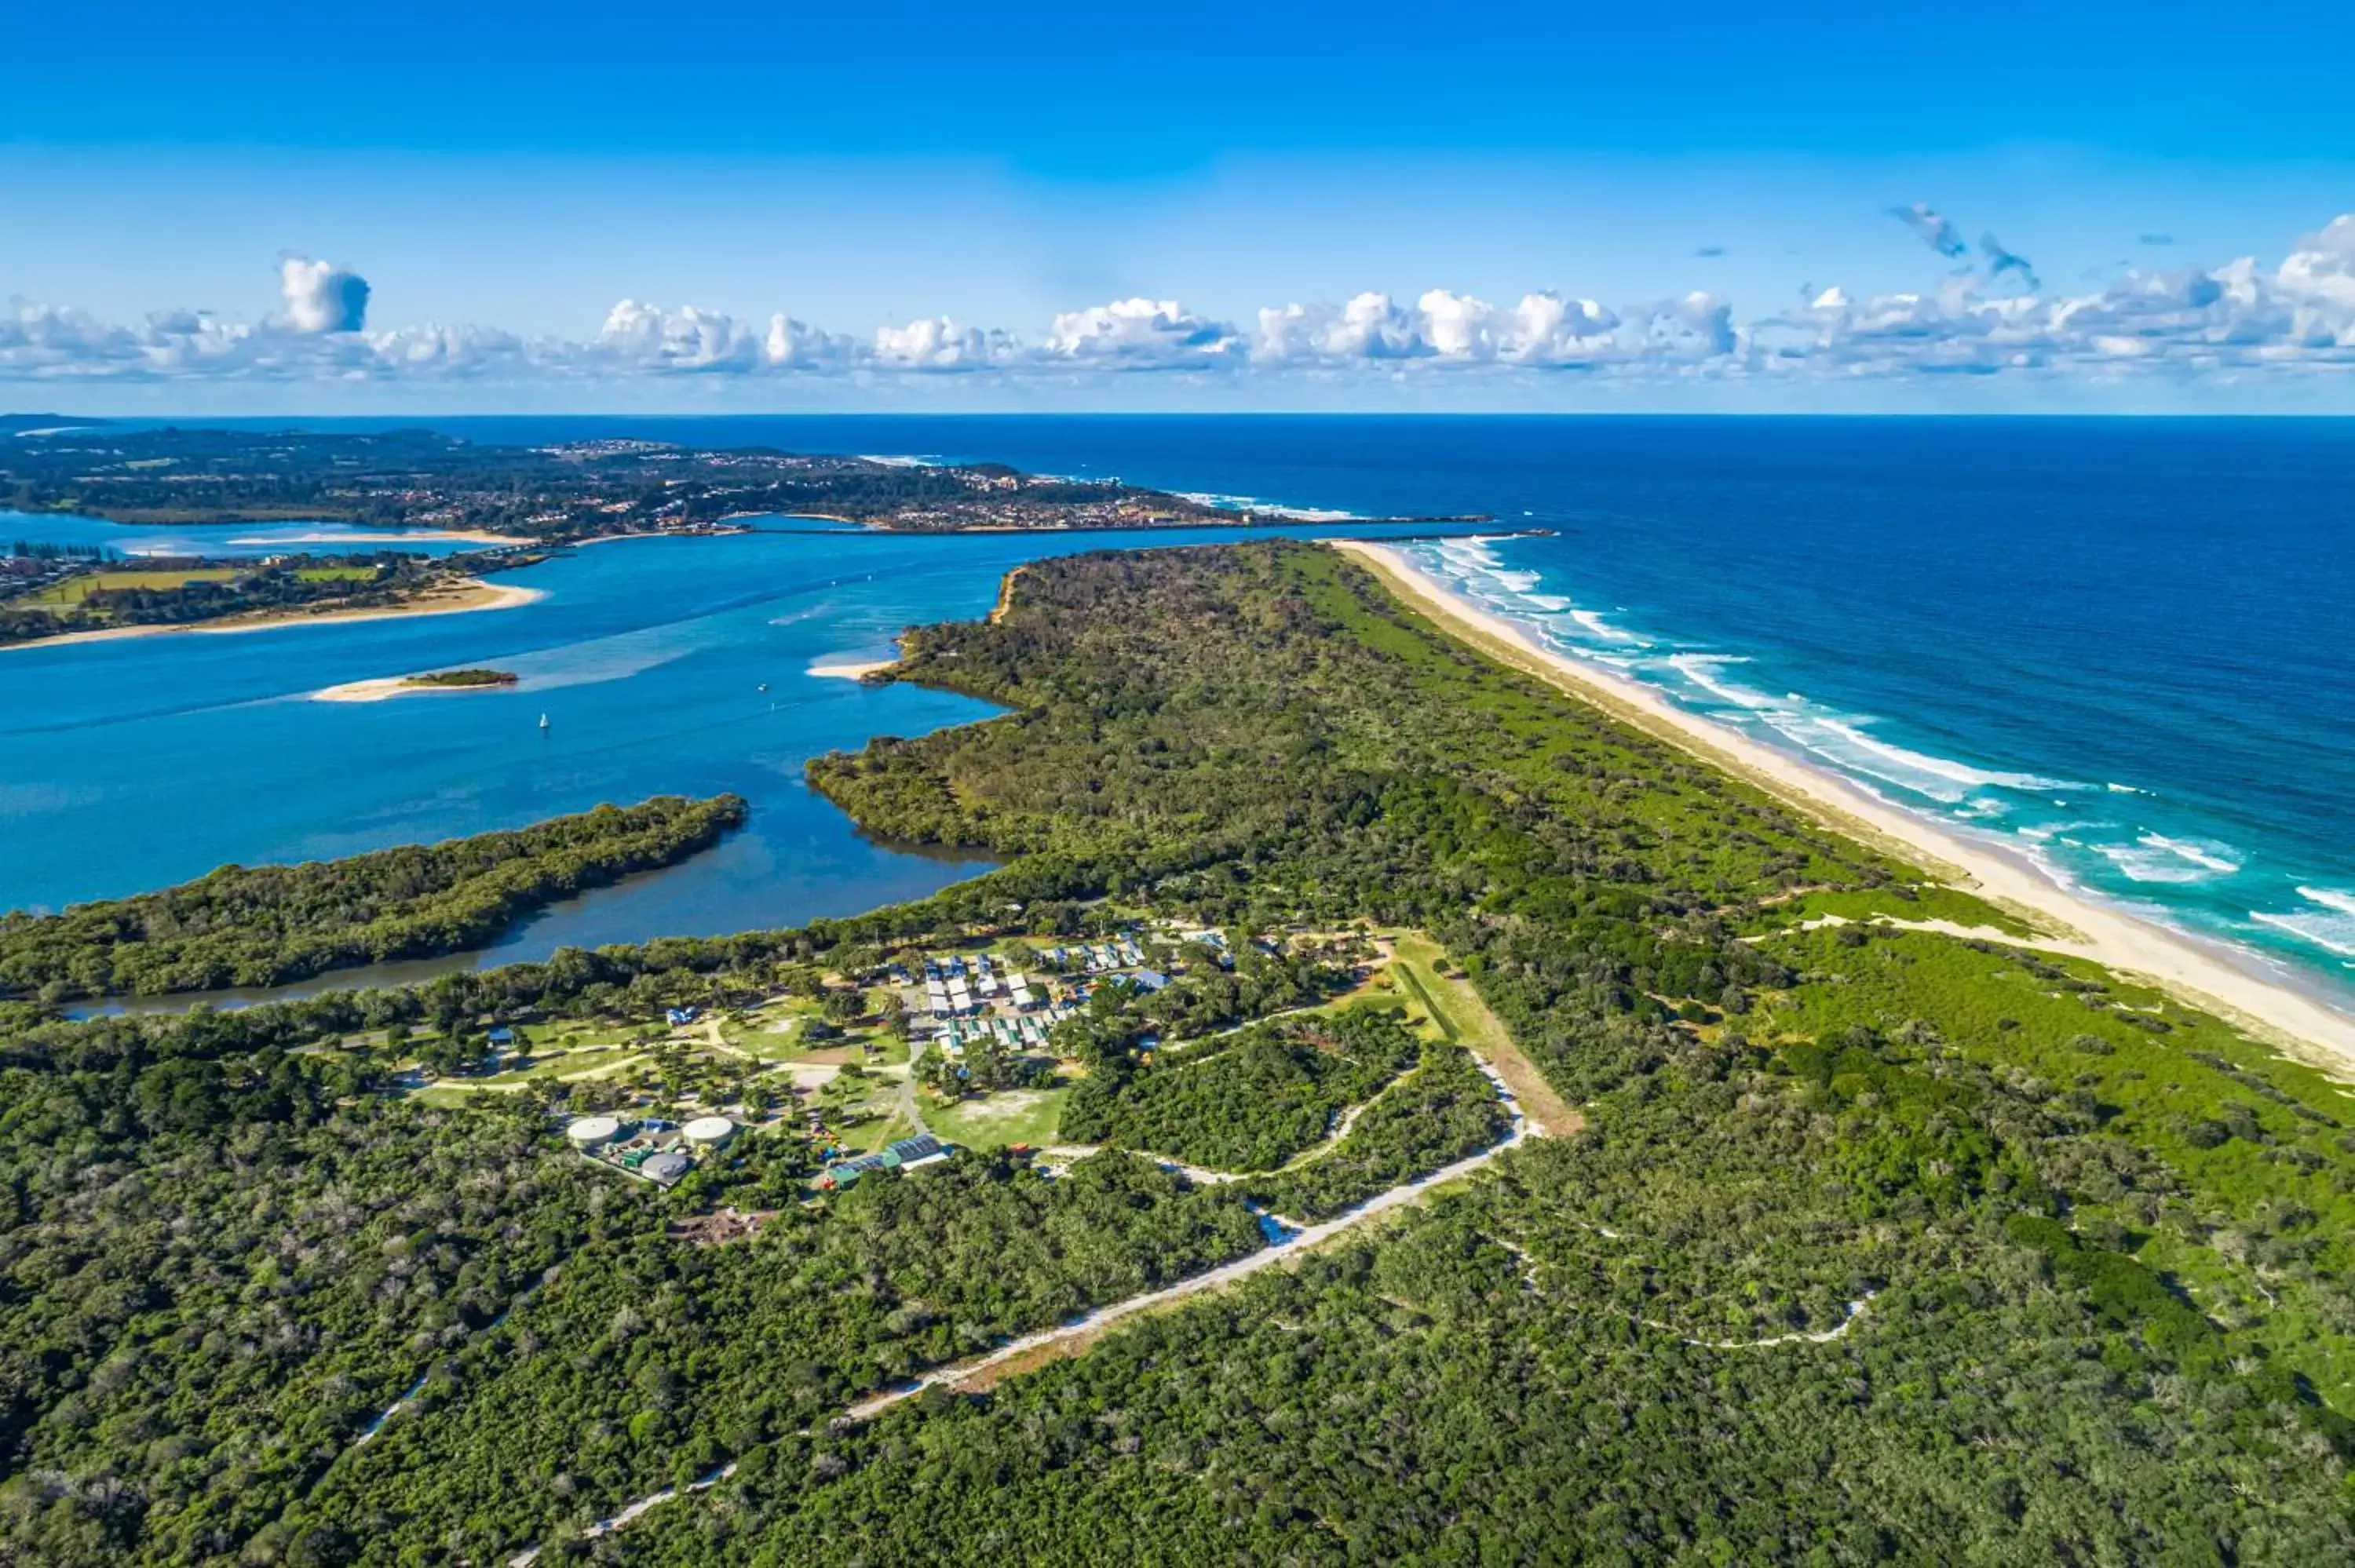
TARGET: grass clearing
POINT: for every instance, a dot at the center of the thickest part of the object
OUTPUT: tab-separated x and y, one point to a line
74	590
996	1121
1455	1010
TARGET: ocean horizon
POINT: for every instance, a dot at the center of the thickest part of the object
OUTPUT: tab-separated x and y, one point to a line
2112	645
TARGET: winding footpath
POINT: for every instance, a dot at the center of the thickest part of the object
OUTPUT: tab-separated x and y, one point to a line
1856	1310
1302	1240
1298	1242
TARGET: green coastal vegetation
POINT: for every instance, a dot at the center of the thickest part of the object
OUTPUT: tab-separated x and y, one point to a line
1249	1101
550	495
461	678
262	926
1860	1243
110	595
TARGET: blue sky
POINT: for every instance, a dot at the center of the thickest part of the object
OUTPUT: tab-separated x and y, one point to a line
1703	193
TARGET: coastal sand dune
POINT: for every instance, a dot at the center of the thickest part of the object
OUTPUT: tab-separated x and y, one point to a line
2196	973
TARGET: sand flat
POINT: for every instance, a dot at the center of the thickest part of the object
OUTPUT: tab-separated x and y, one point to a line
458	535
384	687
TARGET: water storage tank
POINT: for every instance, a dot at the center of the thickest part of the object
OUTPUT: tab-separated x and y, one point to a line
665	1168
710	1132
592	1131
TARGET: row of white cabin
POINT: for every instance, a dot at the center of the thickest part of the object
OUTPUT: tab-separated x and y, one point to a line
1014	1033
953	996
1098	957
955	987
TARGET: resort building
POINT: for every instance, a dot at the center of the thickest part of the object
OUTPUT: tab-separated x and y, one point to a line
908	1154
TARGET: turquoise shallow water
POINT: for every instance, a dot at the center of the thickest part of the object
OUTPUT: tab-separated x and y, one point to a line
229	541
132	764
2120	646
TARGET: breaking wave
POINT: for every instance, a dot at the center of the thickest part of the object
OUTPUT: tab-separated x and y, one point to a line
2330	925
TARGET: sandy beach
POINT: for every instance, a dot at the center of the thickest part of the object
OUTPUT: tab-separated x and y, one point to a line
459	536
466	595
850	672
384	687
2195	972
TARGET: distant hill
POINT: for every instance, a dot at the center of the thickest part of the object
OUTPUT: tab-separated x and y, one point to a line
18	424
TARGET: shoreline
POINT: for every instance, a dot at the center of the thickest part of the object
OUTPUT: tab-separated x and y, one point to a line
2193	971
655	534
850	671
459	536
382	687
471	594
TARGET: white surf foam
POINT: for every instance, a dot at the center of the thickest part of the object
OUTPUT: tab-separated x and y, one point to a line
2139	863
1469	556
2330	926
2331	898
1270	508
1946	768
2039	832
1593	620
2066	848
1839	740
1703	670
2211	856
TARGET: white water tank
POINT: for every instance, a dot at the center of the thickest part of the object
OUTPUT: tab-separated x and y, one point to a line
710	1132
592	1131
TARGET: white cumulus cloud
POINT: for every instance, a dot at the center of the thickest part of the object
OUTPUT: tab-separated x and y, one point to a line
2298	315
1543	329
1369	327
651	337
936	342
2294	317
1146	334
322	297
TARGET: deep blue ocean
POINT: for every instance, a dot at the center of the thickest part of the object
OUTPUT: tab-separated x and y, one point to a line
2120	646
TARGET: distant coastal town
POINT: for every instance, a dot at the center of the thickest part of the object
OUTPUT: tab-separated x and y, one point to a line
405	486
1336	1027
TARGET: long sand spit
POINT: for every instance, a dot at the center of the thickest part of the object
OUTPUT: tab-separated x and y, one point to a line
465	595
400	537
2191	971
384	687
